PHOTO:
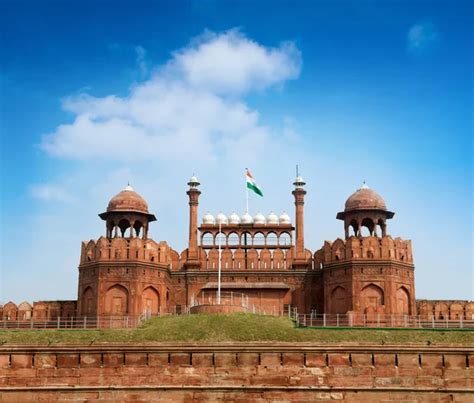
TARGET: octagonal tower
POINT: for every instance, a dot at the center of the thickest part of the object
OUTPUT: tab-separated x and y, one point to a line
372	274
125	273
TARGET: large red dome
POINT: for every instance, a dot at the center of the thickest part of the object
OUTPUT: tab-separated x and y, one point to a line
128	200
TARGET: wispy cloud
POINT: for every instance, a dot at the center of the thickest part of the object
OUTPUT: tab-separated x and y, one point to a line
51	193
141	60
422	37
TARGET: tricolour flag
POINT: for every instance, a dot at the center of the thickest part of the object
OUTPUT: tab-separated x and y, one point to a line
251	184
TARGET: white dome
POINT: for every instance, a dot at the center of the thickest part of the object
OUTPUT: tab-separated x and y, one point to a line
272	219
234	219
246	219
285	218
208	219
222	219
259	219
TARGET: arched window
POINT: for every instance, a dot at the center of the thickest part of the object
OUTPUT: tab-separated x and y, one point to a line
367	227
272	239
124	226
220	239
246	239
207	239
259	239
354	226
233	239
284	239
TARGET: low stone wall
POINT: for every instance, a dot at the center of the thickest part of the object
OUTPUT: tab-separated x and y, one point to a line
236	371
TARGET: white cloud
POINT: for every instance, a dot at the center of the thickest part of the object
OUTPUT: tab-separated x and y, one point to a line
232	63
51	193
191	104
422	37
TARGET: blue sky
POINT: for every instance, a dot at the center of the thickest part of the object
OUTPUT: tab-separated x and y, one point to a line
96	94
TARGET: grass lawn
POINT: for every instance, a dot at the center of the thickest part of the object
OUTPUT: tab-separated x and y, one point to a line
234	327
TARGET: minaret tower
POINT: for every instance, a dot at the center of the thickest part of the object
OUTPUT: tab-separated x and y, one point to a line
299	193
193	193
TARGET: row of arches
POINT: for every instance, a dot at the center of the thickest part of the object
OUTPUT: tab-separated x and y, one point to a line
246	238
253	259
452	310
125	228
117	301
366	226
372	300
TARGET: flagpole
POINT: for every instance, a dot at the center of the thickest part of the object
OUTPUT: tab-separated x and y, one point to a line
219	267
247	200
246	194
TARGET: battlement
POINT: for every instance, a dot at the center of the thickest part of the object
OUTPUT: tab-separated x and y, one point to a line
371	247
137	249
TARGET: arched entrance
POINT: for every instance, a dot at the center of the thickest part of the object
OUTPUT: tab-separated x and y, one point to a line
116	300
403	301
87	302
372	298
339	300
150	302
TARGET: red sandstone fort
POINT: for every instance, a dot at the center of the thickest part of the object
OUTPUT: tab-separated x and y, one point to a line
125	273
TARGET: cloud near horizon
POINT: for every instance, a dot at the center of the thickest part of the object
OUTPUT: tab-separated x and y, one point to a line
191	104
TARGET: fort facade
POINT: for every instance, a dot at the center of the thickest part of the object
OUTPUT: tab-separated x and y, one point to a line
265	258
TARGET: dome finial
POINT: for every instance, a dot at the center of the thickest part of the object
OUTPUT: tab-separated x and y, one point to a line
364	185
193	182
128	188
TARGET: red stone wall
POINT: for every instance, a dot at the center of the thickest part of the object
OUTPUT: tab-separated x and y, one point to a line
295	372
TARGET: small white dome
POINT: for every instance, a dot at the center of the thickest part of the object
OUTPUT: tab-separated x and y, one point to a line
222	219
234	219
208	219
272	219
299	178
259	219
285	218
246	219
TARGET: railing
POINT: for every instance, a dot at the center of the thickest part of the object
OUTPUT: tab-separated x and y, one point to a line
226	298
378	321
302	320
82	322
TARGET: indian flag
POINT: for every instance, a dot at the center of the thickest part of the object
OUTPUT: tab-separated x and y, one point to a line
251	183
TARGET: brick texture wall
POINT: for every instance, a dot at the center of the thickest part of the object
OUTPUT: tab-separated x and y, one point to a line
237	372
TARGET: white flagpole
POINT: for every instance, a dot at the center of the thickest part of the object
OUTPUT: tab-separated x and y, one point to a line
219	267
246	194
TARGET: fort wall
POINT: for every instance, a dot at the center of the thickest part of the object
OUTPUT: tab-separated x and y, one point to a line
238	371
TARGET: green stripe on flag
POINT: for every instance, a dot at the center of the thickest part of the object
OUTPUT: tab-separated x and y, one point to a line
255	188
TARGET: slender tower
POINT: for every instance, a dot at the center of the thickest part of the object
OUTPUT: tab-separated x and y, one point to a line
299	193
193	193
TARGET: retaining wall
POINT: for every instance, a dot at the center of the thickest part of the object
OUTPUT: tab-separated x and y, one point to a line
236	372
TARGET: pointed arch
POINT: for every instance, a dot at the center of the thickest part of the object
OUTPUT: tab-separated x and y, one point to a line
150	301
116	300
372	298
403	301
339	300
87	302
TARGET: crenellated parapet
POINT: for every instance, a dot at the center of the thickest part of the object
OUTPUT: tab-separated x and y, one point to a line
366	248
123	249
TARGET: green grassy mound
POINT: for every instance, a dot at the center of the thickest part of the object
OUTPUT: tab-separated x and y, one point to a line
234	327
